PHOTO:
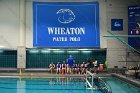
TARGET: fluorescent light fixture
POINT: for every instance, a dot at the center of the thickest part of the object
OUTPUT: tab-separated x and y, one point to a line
72	51
83	49
86	51
58	51
34	51
2	46
45	51
53	49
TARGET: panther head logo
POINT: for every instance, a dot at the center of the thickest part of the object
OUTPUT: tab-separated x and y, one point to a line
65	16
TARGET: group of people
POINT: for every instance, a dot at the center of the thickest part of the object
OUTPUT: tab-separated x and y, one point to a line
72	67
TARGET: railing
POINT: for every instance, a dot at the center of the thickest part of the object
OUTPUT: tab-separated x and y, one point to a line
89	80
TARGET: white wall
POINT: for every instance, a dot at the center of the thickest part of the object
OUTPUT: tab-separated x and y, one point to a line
9	23
116	51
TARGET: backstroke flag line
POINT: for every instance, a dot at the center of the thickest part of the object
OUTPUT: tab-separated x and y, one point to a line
66	24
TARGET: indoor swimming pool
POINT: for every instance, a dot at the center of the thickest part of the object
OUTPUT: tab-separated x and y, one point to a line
49	85
119	86
60	85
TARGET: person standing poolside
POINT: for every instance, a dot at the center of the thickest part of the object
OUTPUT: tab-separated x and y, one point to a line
70	63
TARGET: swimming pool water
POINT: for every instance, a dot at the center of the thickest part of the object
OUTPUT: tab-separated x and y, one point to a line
119	86
60	85
49	85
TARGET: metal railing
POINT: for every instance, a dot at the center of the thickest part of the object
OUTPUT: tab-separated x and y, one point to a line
90	83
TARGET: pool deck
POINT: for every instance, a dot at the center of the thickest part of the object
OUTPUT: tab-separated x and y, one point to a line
38	73
44	75
133	81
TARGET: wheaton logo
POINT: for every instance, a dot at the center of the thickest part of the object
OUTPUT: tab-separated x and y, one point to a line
65	16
